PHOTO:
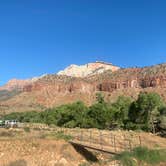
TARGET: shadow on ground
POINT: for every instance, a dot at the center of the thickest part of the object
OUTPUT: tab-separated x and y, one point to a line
89	156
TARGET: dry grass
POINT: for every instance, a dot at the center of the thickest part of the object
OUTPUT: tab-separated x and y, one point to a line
50	147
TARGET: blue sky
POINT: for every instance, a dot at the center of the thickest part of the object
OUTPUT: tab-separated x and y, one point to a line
45	36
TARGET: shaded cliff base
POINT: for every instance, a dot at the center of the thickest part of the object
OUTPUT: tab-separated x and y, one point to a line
39	100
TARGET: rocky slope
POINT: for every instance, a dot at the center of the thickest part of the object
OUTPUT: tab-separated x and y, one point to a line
19	84
54	90
15	84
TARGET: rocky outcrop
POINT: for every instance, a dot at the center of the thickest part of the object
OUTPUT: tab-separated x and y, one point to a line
19	84
75	86
88	69
16	84
111	85
156	81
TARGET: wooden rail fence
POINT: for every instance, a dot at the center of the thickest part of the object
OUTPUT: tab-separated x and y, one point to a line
104	141
101	140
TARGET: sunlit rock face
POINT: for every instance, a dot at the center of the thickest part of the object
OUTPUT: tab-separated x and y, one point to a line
88	69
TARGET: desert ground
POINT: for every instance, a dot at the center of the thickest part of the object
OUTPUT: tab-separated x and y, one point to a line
44	146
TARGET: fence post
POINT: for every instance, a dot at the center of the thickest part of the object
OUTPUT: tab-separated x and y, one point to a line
140	141
81	137
114	144
101	145
130	146
112	139
125	146
90	136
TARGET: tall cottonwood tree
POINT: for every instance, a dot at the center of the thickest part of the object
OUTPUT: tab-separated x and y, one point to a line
145	110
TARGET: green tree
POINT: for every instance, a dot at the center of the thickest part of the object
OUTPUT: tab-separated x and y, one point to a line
145	110
120	110
71	115
98	116
162	121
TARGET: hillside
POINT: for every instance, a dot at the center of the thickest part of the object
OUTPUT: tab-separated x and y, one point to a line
56	89
5	94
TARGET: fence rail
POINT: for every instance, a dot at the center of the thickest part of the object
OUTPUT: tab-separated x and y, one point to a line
101	141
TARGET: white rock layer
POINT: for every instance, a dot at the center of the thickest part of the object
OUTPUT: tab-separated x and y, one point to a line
88	69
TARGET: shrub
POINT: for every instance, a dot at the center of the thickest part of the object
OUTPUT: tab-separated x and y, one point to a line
59	135
18	163
6	134
27	129
140	156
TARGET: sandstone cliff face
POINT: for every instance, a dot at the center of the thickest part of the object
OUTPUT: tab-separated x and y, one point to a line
75	86
107	81
111	85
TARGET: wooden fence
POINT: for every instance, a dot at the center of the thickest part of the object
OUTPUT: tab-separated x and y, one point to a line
103	141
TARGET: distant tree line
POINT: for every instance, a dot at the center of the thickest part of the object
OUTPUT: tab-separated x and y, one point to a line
147	113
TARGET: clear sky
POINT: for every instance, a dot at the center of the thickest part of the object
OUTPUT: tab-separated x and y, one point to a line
45	36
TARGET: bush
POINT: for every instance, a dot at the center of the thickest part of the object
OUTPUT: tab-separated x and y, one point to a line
18	163
27	129
132	126
141	155
6	134
59	135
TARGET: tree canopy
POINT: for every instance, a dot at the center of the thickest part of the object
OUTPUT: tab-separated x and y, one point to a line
147	113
